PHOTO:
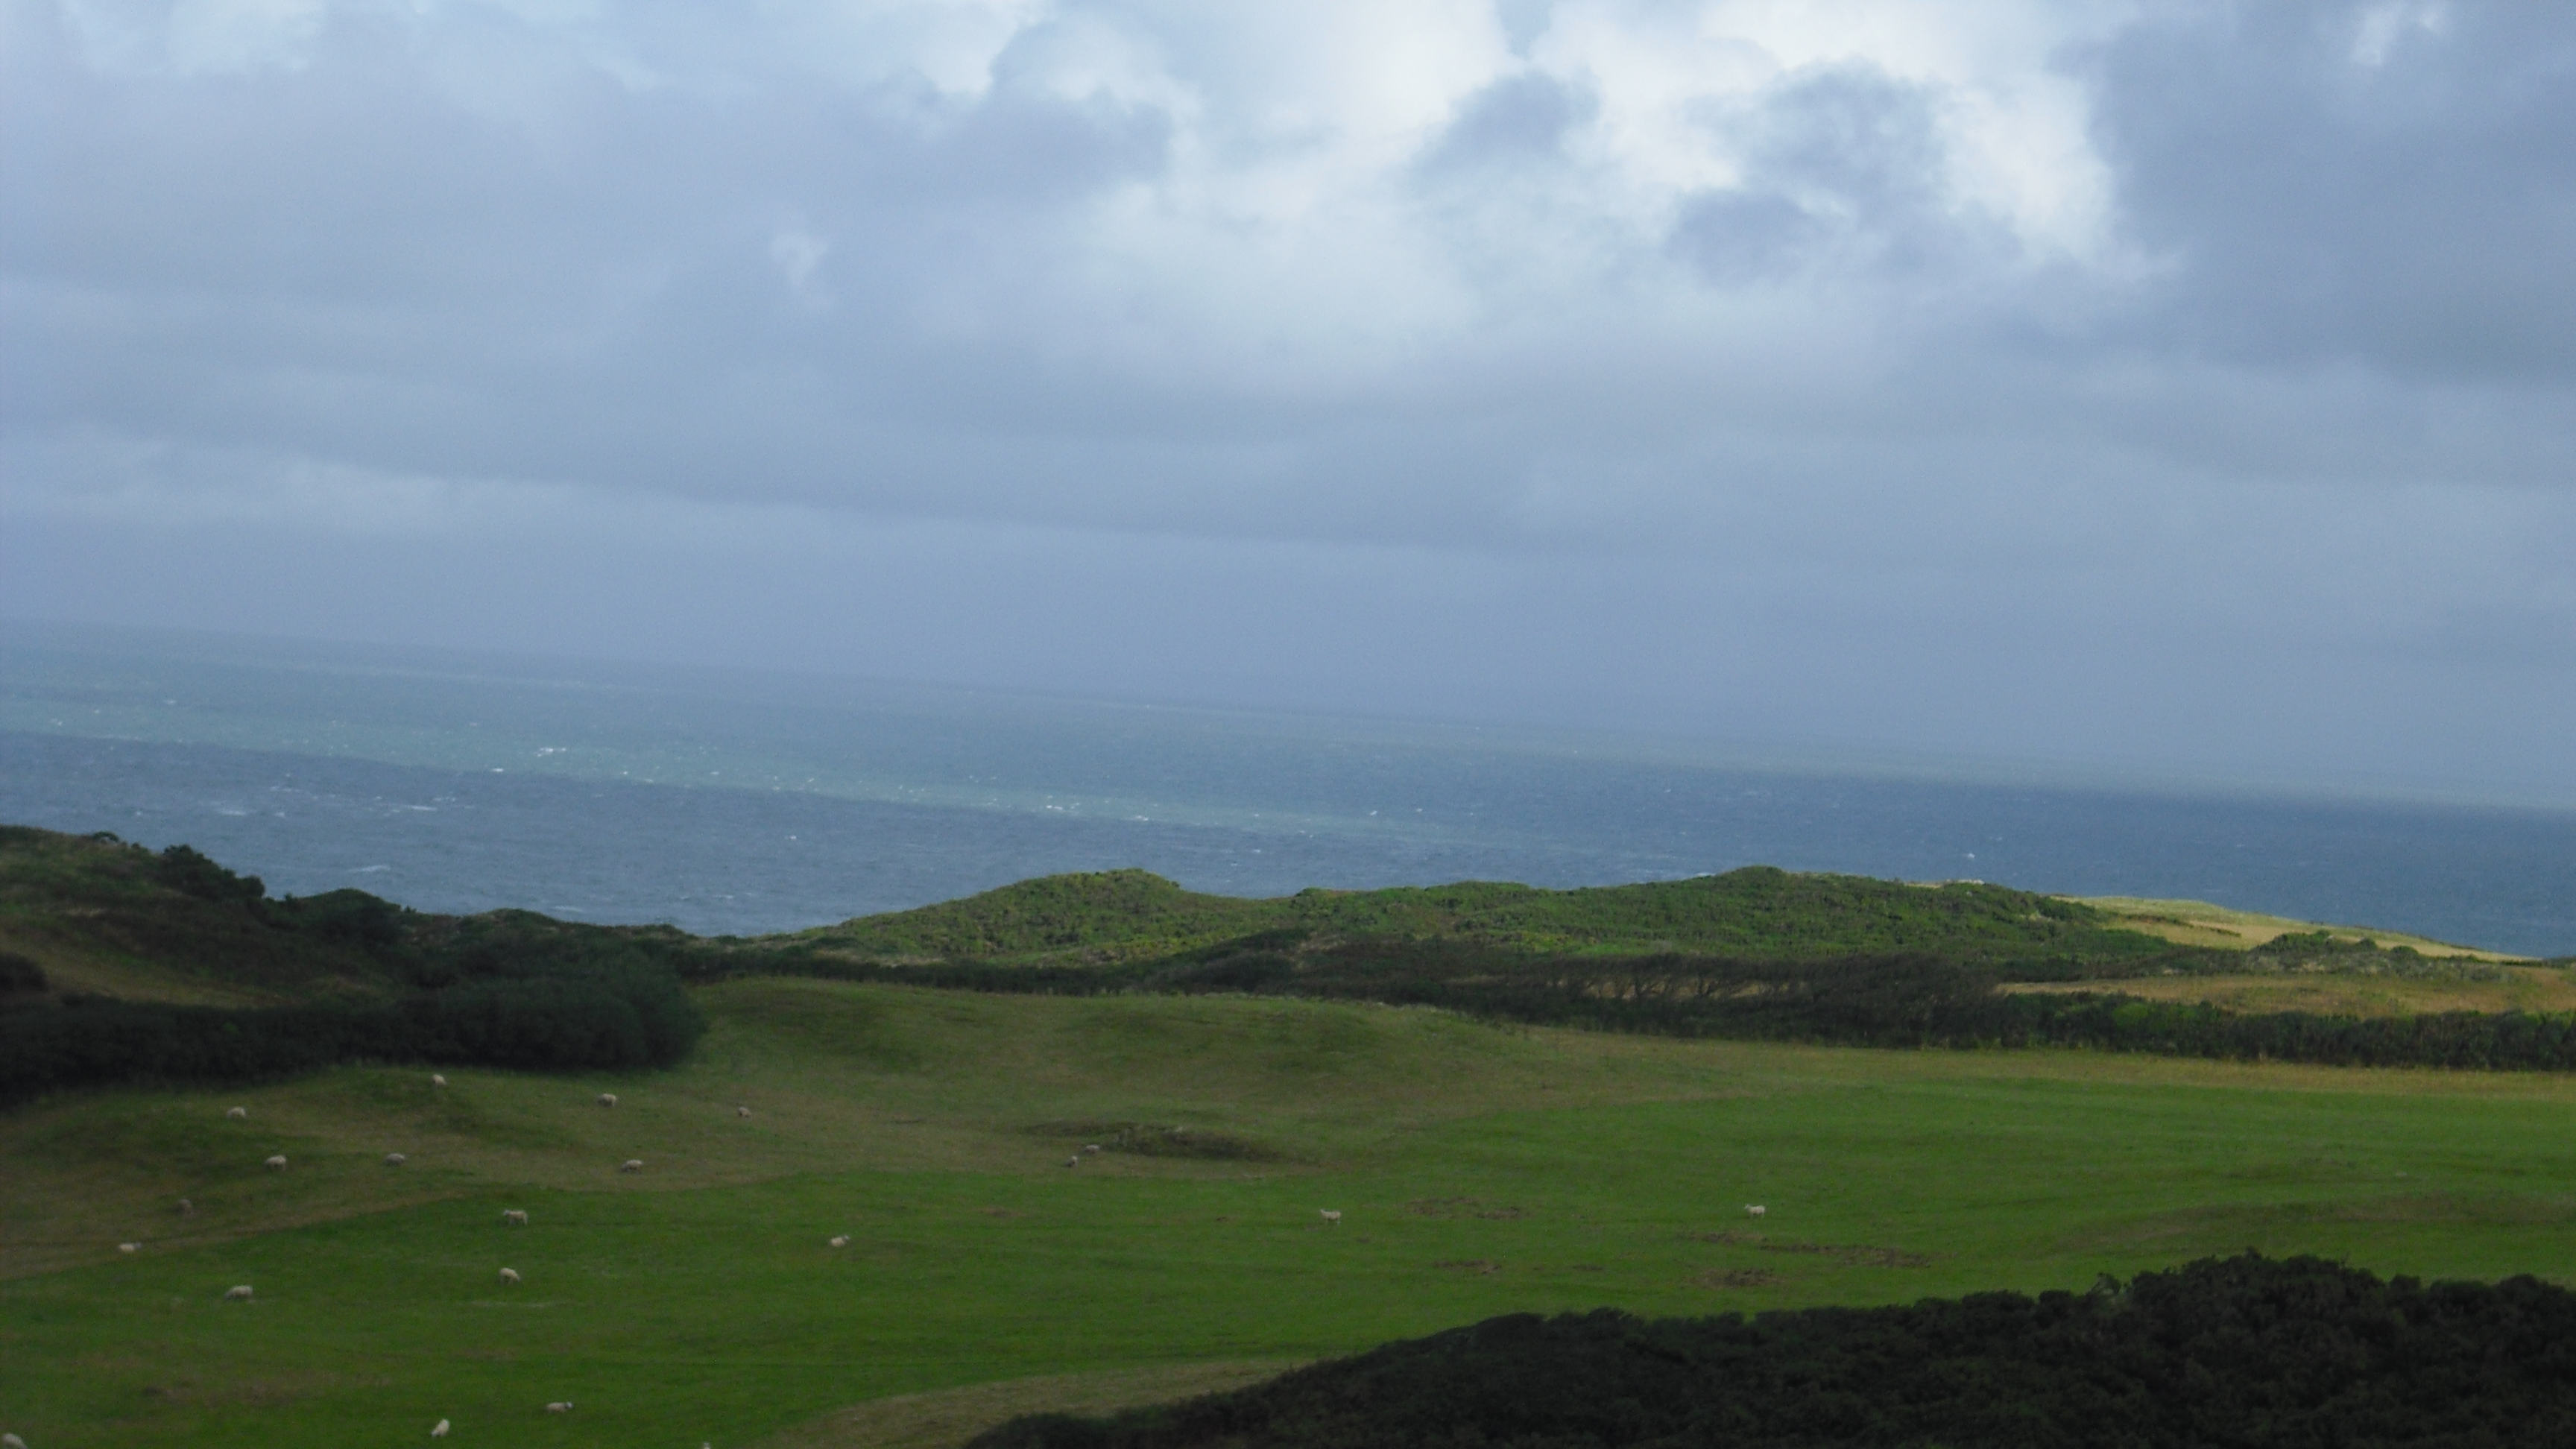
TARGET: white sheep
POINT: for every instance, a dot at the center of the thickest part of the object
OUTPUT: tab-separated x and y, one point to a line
744	1112
187	1209
129	1247
1075	1161
238	1293
395	1159
237	1113
1091	1147
514	1218
1754	1210
560	1406
608	1099
632	1164
438	1430
509	1275
842	1241
436	1080
277	1164
12	1441
1331	1215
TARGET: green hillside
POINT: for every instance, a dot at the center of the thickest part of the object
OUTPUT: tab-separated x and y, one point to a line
1758	912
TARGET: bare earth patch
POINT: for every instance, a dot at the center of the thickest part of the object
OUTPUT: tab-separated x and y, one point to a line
950	1417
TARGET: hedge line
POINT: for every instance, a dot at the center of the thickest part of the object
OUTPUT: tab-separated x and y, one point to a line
614	1020
1881	1001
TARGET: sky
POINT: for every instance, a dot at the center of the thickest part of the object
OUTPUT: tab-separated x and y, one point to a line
2178	386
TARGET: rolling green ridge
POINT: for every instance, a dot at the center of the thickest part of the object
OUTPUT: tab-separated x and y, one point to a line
170	967
1759	911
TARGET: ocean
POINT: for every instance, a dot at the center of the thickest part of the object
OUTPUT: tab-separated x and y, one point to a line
732	802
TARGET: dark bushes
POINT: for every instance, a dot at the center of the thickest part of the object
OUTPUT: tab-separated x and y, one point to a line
1881	1001
2235	1352
614	1020
19	975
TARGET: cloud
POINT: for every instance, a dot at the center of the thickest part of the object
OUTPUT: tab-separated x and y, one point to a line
2388	186
1825	318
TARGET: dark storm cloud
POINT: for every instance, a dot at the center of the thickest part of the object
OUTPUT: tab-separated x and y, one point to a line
1513	121
1843	171
2389	185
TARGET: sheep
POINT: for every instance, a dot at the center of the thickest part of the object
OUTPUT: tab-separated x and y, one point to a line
395	1159
438	1430
277	1164
632	1164
187	1209
238	1293
436	1080
608	1099
842	1241
1331	1215
1073	1161
514	1218
12	1441
237	1113
129	1247
1754	1210
742	1112
510	1275
560	1406
1091	1147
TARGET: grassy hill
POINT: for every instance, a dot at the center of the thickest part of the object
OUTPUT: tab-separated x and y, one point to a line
1758	911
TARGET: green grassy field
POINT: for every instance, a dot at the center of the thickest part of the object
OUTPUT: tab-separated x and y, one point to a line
1479	1170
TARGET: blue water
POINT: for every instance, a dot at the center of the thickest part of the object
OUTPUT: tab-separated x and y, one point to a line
741	803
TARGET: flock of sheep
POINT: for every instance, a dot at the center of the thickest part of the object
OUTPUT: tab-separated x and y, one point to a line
510	1218
518	1217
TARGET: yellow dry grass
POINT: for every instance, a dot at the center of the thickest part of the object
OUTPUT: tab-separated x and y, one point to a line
2198	923
2524	988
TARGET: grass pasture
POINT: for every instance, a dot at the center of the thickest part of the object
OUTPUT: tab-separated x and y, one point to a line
1480	1170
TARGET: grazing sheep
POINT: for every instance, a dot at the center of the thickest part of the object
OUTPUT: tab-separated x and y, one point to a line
632	1164
237	1113
1073	1161
513	1218
1331	1215
187	1209
509	1275
436	1080
608	1099
438	1430
395	1159
561	1406
842	1241
238	1293
129	1247
12	1441
742	1111
1754	1210
1091	1147
277	1164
